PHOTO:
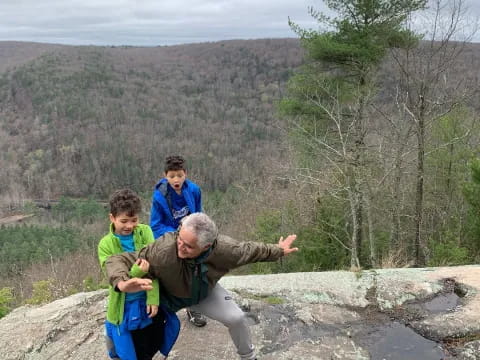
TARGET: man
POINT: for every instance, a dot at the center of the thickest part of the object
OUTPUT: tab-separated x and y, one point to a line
188	265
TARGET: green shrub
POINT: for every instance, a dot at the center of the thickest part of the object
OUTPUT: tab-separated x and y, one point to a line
6	300
42	292
79	211
448	252
24	245
90	284
319	242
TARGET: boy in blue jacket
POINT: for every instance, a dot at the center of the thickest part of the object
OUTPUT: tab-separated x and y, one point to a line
175	197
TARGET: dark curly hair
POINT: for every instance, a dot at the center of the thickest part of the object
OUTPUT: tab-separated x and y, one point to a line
174	163
125	201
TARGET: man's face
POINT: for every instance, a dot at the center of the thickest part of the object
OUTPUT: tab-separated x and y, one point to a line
176	178
124	224
187	245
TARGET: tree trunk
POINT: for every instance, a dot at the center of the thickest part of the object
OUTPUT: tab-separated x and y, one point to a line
373	251
354	199
419	256
394	243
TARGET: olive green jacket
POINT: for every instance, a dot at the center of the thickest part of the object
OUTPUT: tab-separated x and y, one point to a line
110	245
176	276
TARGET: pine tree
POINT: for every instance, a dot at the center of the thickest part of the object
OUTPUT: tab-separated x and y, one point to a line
329	99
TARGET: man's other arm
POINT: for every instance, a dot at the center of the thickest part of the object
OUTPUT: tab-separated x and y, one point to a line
251	252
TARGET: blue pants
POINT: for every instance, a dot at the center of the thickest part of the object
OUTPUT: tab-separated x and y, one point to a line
135	317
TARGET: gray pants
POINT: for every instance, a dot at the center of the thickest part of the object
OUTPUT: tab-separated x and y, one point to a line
219	305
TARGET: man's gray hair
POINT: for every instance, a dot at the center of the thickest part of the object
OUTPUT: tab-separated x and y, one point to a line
202	226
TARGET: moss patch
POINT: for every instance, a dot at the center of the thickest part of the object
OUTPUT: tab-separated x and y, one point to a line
272	300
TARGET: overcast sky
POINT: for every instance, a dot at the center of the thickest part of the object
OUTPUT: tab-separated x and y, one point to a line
155	22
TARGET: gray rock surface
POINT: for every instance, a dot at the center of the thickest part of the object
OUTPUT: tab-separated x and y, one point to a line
329	315
69	328
471	351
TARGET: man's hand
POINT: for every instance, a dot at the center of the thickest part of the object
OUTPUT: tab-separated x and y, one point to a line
152	310
287	243
143	264
134	285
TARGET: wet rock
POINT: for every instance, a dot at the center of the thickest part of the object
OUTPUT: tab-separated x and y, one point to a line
314	314
471	351
395	341
454	322
330	315
395	287
442	303
326	348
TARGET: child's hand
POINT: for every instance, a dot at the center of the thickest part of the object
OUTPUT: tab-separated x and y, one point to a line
143	264
152	310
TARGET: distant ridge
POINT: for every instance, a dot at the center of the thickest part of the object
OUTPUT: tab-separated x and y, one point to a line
72	111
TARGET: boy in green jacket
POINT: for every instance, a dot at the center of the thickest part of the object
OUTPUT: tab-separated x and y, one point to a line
129	323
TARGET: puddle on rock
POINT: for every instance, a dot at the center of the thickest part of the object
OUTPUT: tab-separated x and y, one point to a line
447	301
283	329
442	303
397	342
383	339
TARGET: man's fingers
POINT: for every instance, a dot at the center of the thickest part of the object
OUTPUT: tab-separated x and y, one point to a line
291	238
135	284
285	244
291	250
145	284
288	240
139	282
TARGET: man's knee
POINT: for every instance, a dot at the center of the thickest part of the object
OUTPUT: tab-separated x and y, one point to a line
235	319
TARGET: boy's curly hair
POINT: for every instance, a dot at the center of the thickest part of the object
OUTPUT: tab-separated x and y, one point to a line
174	163
125	201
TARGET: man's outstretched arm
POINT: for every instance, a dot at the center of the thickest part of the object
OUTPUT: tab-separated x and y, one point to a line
241	253
118	267
121	281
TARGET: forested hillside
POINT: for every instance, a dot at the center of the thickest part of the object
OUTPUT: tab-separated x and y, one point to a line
15	53
78	122
81	121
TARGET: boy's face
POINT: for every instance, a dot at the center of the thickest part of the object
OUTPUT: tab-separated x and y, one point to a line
176	178
123	224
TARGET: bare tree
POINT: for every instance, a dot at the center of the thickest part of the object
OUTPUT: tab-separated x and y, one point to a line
428	91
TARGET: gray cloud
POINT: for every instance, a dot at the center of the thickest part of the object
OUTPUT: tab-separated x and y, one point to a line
154	22
147	22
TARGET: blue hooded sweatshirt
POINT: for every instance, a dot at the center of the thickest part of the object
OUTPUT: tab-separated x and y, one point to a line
161	217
